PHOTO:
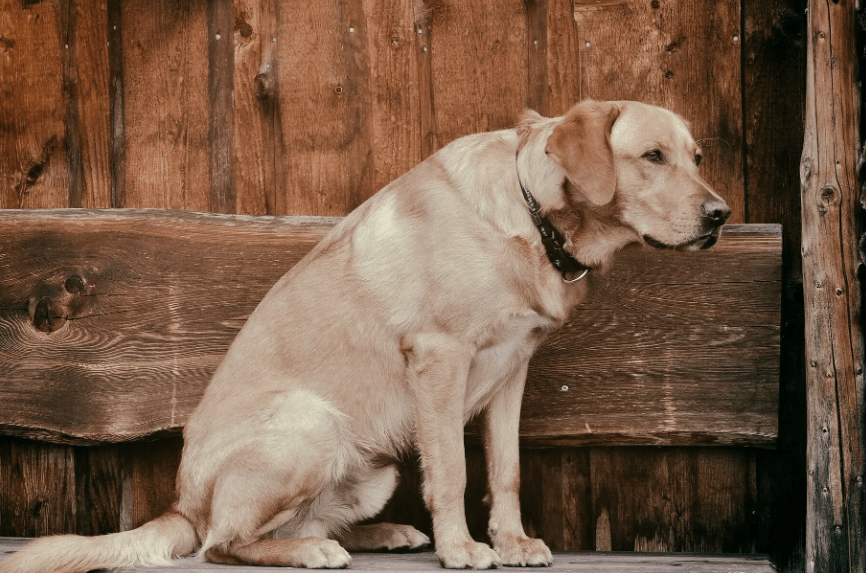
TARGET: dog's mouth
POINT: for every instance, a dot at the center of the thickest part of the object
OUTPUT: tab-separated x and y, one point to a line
700	243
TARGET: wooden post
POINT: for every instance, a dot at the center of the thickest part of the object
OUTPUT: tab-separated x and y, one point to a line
834	339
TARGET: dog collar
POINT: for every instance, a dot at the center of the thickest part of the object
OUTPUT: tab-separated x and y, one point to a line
553	241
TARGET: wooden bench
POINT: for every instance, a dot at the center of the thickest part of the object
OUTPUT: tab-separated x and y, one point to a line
111	323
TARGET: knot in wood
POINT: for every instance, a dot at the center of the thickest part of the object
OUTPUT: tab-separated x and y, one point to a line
828	194
74	284
57	303
265	84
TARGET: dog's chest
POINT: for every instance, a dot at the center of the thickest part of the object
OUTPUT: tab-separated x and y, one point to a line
503	358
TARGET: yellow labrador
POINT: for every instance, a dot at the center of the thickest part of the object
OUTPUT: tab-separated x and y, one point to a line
418	311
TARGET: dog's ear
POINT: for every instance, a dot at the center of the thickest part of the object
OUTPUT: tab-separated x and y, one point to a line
580	143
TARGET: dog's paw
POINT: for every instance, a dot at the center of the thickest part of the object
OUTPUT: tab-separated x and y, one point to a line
322	554
468	555
384	537
522	551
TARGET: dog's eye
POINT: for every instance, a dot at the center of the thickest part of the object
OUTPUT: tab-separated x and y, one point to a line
698	158
655	156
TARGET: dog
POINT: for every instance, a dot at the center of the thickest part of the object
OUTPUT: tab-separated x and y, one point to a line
418	311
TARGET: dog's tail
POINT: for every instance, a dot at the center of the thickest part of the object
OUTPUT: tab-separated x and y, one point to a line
154	543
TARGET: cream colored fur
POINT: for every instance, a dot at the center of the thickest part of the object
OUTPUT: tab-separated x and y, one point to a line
417	312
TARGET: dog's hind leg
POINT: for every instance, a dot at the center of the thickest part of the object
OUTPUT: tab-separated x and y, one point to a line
366	495
281	473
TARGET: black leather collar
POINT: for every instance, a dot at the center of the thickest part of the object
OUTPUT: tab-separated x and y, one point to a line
553	242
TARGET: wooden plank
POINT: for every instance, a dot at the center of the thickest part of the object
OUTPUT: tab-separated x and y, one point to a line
395	51
153	359
34	169
149	475
573	561
325	96
830	191
165	104
92	73
555	497
116	99
98	489
680	54
220	80
259	169
563	58
37	488
774	62
102	336
478	66
647	499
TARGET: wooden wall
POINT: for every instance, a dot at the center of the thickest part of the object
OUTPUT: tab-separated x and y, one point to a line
297	107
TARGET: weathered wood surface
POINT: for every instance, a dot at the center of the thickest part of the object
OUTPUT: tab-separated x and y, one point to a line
111	323
316	105
836	509
572	561
628	57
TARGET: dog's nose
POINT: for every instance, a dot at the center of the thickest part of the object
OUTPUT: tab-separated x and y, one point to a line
716	211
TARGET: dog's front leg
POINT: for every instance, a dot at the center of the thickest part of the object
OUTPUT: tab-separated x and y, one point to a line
503	476
438	367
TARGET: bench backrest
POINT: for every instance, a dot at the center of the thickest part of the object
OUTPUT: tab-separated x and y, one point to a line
112	321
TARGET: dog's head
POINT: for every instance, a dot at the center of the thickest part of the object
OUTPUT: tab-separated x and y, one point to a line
642	160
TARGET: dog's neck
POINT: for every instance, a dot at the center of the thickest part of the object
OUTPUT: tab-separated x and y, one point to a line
593	234
554	242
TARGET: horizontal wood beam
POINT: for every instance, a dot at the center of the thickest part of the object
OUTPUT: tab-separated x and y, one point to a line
112	321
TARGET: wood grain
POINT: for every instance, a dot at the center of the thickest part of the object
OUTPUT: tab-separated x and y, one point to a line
220	105
34	169
325	97
774	50
104	338
830	191
647	499
259	162
165	105
396	52
37	488
478	64
93	102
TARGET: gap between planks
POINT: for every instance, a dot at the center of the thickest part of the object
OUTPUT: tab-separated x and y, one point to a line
574	561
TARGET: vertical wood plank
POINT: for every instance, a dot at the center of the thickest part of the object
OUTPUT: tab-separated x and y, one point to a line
830	192
259	164
672	499
555	497
165	104
220	27
149	478
92	75
478	66
563	58
37	488
680	54
396	83
324	90
34	169
774	49
116	103
68	34
98	489
536	56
